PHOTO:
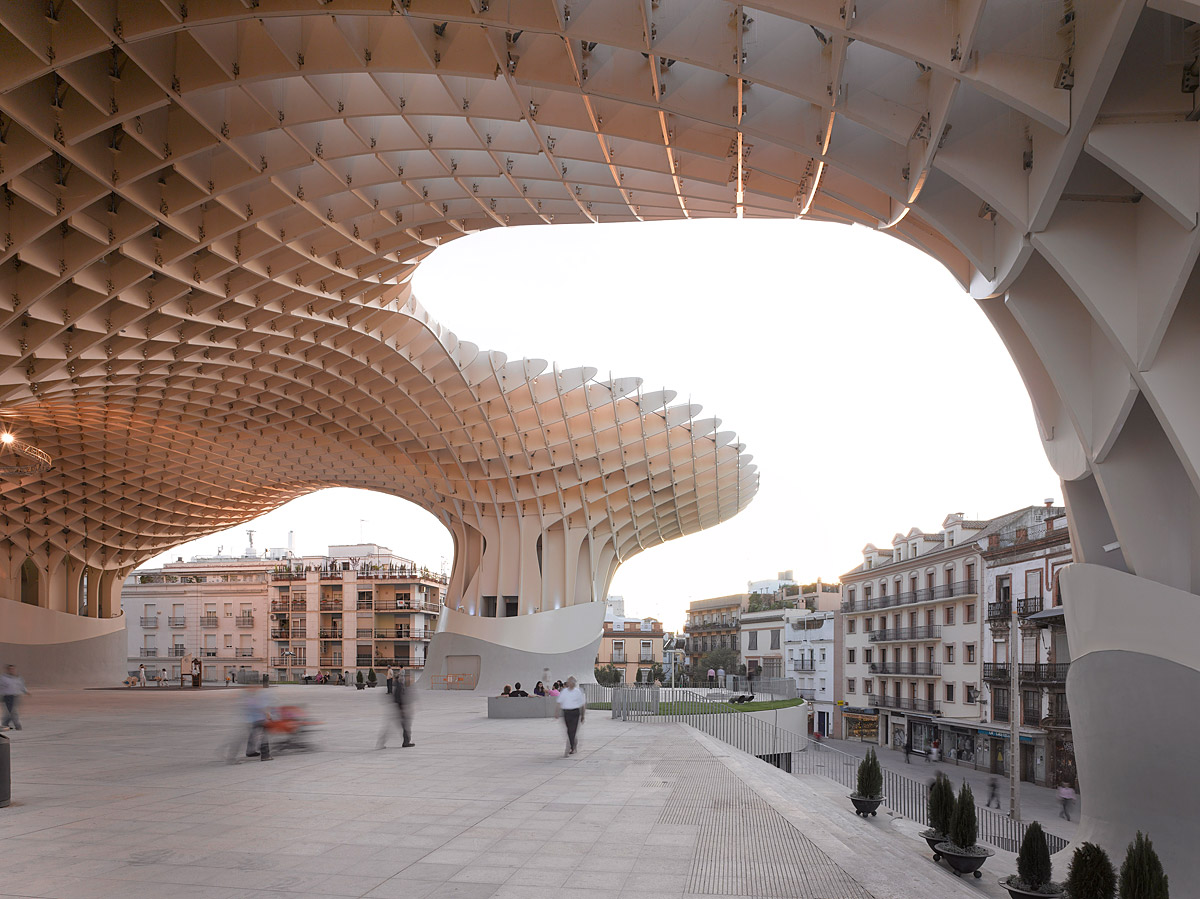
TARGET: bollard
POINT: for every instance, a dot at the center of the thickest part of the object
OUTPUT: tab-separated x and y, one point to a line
5	772
266	680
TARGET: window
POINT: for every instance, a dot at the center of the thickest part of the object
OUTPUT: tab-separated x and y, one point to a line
866	656
1003	588
867	622
229	641
972	694
752	640
969	613
971	576
867	685
949	653
930	617
949	692
228	610
850	595
949	615
850	656
849	685
822	655
851	623
969	649
775	639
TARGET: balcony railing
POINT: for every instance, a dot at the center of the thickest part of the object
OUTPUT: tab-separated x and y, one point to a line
177	652
618	659
363	633
809	693
999	713
646	657
287	575
926	594
401	633
331	661
209	653
299	605
1001	610
245	621
906	634
152	621
244	653
331	605
288	662
907	705
177	621
1030	605
286	634
907	669
804	664
280	605
1035	673
1060	715
331	633
711	626
365	605
149	652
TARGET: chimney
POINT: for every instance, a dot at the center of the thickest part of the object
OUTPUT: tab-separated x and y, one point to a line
291	543
1049	501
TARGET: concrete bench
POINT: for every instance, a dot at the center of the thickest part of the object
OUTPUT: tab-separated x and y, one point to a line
521	706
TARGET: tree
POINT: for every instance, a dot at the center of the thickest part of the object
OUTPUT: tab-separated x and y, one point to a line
1142	874
608	676
963	826
1091	875
720	658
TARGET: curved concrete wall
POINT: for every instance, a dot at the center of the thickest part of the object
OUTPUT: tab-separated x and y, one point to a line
57	649
1131	689
519	648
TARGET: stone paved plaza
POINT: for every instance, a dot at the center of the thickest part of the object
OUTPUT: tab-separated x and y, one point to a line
129	794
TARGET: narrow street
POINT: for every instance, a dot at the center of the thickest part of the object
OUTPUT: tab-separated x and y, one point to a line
1039	804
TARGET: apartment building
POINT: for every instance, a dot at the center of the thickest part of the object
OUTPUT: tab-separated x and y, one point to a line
631	645
1025	621
211	608
713	624
809	644
760	636
359	607
913	635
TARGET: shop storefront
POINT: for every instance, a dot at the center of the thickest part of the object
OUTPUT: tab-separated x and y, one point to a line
959	746
991	751
922	732
861	724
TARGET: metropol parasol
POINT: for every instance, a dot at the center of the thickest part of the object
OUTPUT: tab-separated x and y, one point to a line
212	210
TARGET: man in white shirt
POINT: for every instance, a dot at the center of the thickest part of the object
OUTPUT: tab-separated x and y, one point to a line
12	686
573	704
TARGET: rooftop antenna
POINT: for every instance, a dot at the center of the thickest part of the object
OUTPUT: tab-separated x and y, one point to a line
250	549
361	522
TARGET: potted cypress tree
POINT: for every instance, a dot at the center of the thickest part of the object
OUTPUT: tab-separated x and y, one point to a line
869	792
1091	875
358	681
1142	874
941	808
961	851
371	677
1033	867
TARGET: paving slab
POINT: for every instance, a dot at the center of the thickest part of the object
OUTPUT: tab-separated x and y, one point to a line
132	793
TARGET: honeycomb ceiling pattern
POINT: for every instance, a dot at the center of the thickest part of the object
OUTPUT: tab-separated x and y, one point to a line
212	210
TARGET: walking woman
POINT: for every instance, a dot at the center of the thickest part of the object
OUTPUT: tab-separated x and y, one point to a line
573	704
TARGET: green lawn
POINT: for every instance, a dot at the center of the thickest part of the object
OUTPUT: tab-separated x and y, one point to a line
712	708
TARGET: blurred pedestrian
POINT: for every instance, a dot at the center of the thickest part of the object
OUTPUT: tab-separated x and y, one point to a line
711	676
993	792
1066	796
402	697
11	687
573	704
391	675
258	713
142	675
907	751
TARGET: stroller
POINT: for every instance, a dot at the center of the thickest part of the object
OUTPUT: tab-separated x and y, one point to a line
290	728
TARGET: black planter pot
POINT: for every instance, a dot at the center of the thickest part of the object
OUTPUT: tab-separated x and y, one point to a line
360	686
933	842
865	807
963	863
1018	893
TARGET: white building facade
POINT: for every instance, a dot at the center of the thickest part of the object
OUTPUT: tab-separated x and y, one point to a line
212	609
913	631
809	644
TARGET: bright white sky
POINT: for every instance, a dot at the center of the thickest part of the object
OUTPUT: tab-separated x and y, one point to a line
871	390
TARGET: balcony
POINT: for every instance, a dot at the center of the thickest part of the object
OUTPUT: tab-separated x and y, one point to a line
809	693
331	605
209	652
177	621
177	652
1039	673
999	713
331	661
923	706
331	633
287	574
907	669
288	662
646	657
1030	605
152	621
245	621
618	659
365	605
363	633
906	634
149	652
999	611
804	665
299	605
244	652
331	574
281	633
1060	715
208	620
280	605
927	594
